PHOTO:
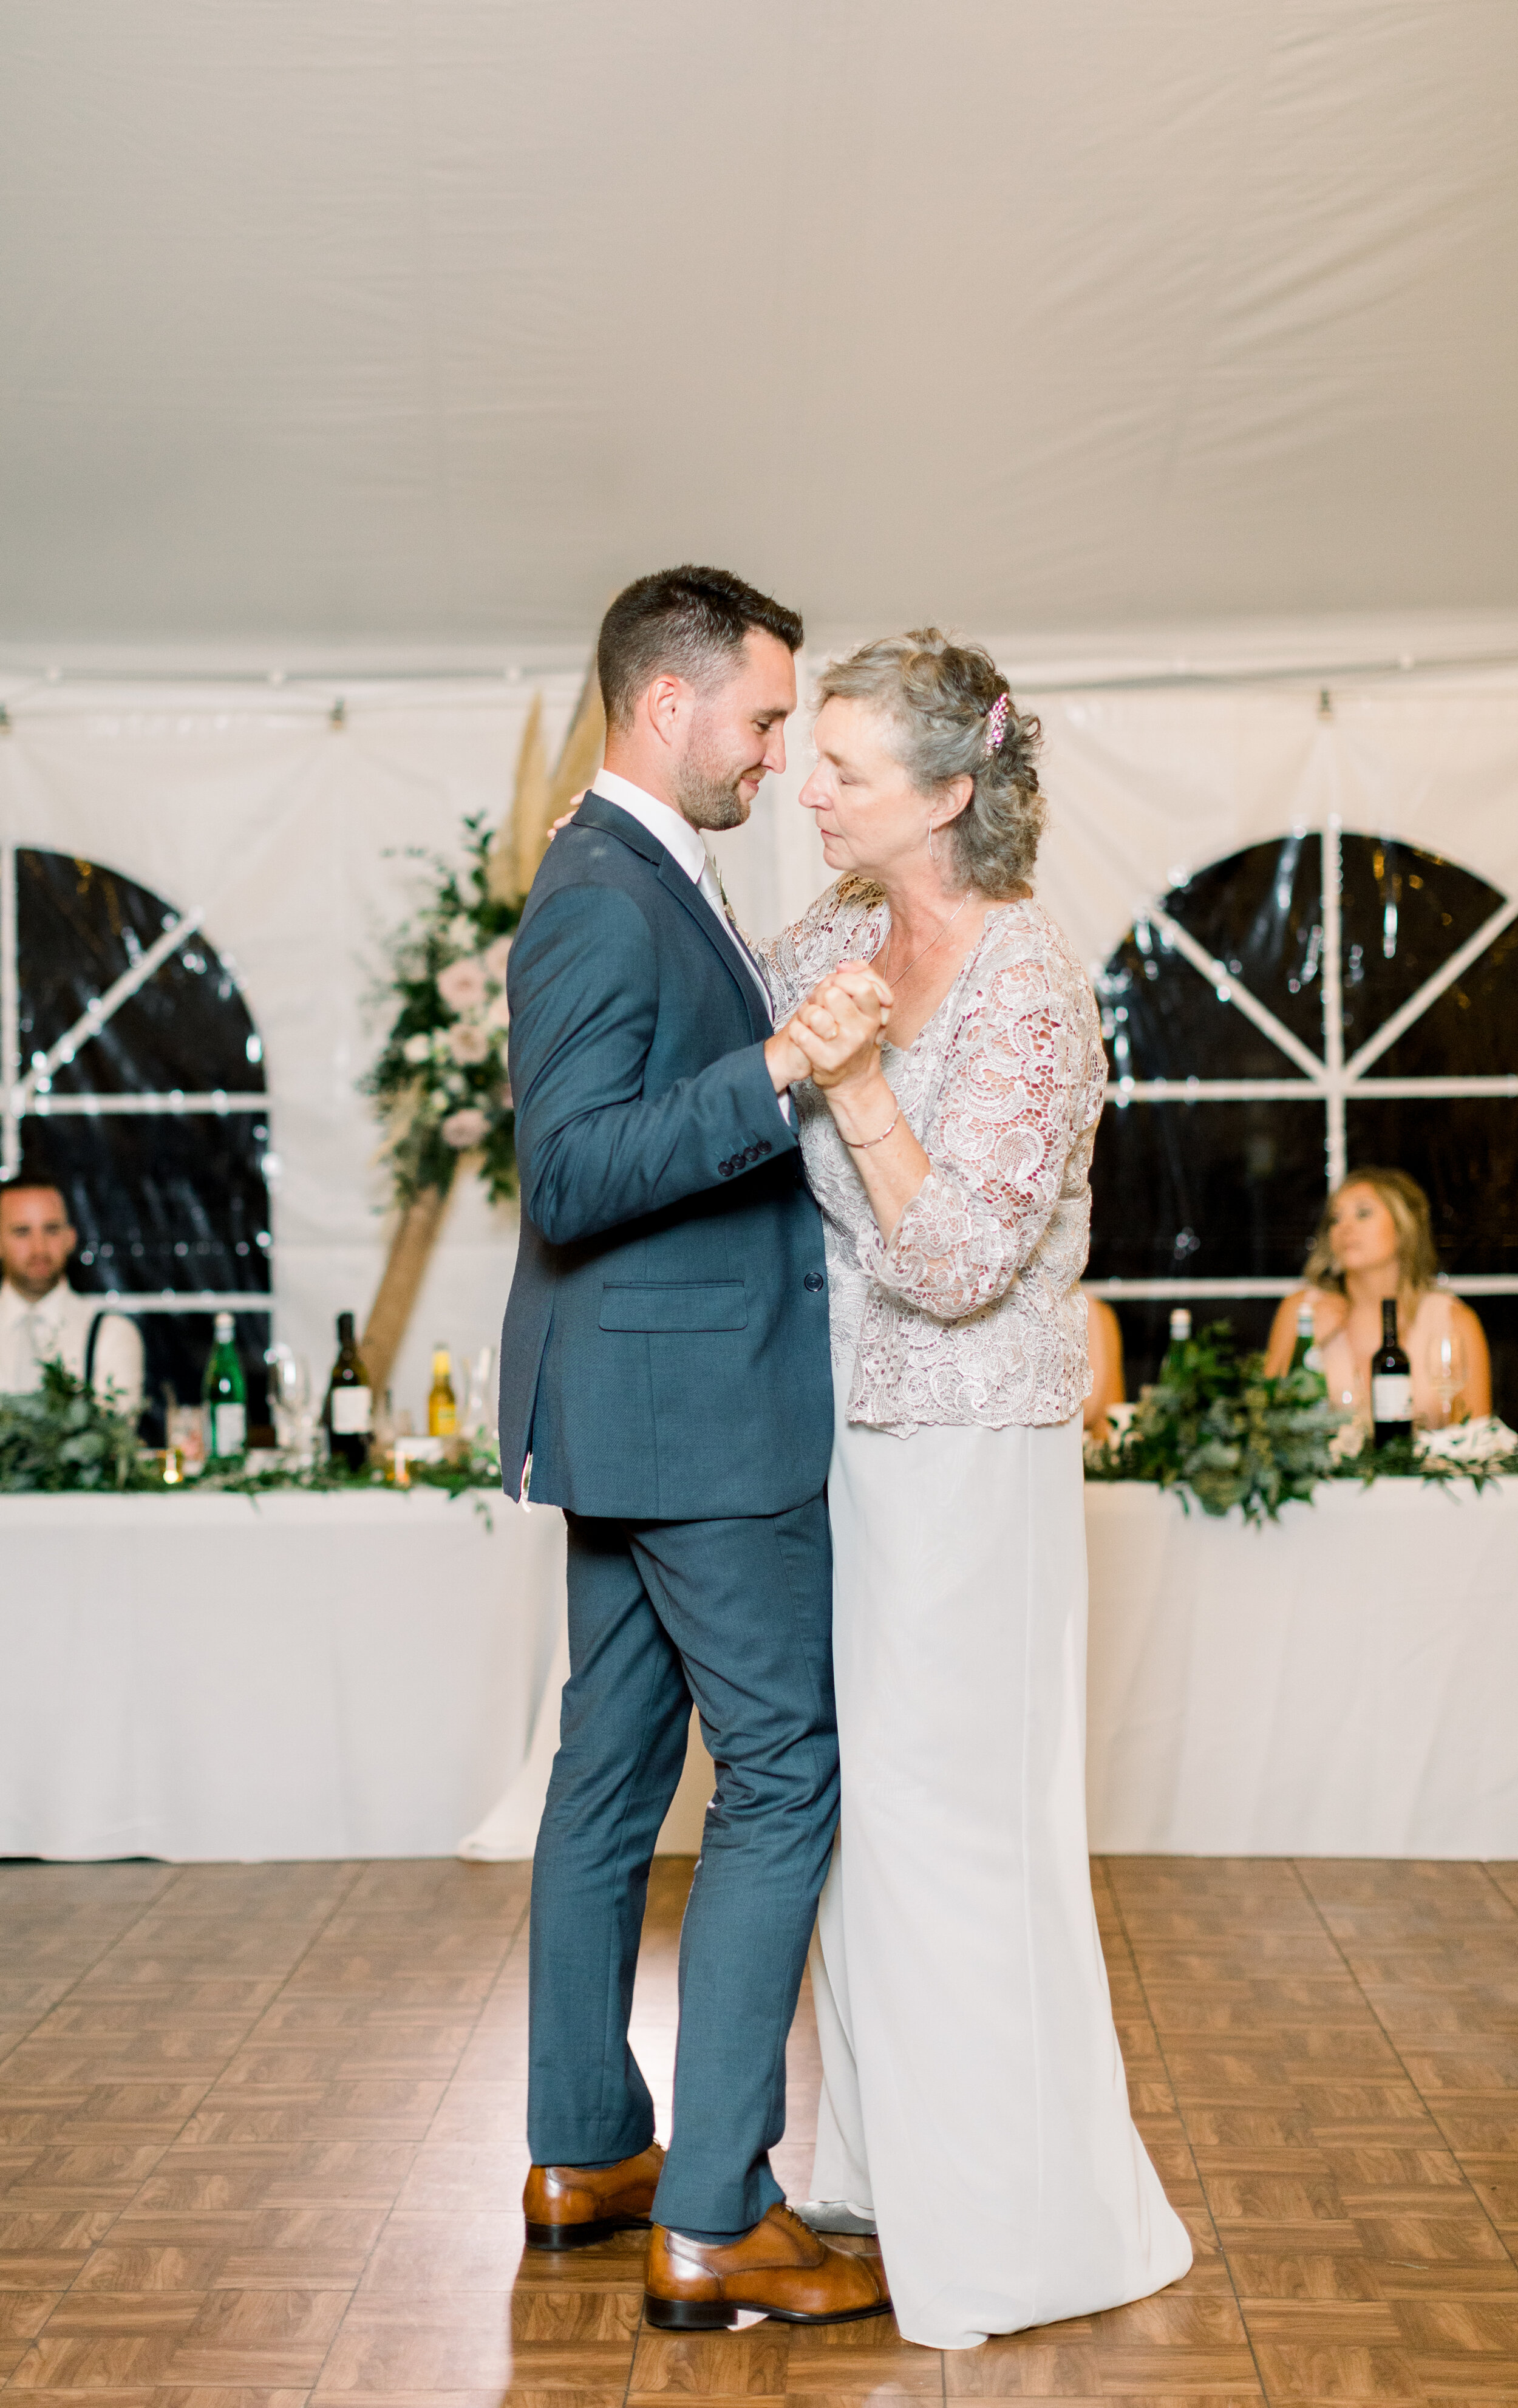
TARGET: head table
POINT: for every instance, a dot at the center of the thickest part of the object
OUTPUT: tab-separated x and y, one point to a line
200	1677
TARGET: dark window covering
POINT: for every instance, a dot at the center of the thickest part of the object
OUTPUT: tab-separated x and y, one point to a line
160	1200
1234	1190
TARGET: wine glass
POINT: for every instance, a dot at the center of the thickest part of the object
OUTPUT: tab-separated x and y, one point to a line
290	1397
479	1395
1445	1363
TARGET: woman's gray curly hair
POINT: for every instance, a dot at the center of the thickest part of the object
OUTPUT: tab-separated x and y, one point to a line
937	694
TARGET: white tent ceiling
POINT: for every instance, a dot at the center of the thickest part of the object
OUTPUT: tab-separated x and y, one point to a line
425	322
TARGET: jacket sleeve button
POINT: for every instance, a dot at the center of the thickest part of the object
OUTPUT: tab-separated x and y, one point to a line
725	1170
813	1281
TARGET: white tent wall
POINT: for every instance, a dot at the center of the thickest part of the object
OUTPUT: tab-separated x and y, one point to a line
290	835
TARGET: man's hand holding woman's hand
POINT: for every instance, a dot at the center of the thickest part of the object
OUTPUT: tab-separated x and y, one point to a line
842	1025
834	1037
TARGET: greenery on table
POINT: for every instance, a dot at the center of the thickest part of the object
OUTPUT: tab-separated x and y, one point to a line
1216	1428
1213	1427
473	1468
1404	1459
60	1439
440	1081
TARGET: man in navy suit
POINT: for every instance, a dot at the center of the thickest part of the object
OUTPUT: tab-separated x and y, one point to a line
665	1378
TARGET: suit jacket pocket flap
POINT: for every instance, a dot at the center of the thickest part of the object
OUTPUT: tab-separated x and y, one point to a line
715	1304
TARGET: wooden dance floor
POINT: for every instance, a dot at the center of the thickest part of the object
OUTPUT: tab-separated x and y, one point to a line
260	2141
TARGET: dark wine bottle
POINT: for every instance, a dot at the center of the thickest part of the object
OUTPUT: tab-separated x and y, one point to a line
349	1411
1391	1381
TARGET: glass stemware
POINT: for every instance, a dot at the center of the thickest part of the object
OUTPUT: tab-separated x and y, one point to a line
1445	1364
290	1400
479	1395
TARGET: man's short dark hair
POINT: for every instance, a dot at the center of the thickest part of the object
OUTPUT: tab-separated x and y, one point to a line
33	1175
688	623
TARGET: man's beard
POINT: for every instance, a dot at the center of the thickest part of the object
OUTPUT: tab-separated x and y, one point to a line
707	796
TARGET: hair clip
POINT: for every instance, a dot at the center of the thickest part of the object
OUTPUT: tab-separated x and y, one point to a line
995	722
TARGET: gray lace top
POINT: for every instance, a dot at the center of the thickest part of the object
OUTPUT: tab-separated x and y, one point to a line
973	1313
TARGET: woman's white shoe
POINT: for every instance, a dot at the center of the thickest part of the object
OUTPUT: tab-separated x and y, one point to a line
835	2215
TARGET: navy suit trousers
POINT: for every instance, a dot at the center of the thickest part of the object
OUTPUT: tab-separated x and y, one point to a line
736	1615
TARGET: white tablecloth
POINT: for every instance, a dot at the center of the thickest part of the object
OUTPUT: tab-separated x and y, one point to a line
1343	1684
198	1677
203	1677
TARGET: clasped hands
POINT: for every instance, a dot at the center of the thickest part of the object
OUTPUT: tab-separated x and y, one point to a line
834	1037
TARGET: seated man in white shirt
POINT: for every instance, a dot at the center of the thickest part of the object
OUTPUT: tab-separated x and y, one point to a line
40	1314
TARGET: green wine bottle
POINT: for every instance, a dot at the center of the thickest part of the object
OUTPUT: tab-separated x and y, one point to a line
224	1395
1303	1347
1180	1340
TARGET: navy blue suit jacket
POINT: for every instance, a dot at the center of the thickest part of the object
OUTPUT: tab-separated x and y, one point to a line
665	1351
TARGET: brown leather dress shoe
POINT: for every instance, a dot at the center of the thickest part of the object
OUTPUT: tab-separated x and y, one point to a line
779	2268
568	2207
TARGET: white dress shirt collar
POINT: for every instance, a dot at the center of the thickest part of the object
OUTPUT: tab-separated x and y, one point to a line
675	834
51	1310
684	844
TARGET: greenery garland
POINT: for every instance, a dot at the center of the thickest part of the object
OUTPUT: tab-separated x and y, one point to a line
59	1438
440	1080
1215	1427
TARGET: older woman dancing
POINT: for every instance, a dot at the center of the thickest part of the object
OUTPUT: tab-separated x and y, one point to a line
975	2108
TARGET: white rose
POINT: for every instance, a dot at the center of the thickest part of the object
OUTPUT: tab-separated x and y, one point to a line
417	1049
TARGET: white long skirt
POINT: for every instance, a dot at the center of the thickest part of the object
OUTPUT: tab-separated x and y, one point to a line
973	2087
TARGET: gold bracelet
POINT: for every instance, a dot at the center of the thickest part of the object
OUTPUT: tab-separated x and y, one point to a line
862	1144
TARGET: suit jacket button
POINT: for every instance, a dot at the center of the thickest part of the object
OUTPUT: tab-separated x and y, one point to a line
813	1281
765	1146
725	1170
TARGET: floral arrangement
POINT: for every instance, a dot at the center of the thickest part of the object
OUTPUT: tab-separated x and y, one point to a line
440	1080
59	1436
1214	1427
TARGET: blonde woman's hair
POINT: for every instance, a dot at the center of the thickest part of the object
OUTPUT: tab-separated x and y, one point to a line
939	695
1404	1199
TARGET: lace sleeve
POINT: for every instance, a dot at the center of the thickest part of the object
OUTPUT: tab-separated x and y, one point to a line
827	934
1022	1094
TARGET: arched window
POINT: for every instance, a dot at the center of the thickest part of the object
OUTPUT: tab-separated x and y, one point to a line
1297	1008
133	1070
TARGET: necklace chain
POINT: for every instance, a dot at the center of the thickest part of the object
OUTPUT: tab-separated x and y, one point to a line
931	942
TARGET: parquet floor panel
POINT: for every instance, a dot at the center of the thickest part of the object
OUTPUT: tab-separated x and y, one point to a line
262	2146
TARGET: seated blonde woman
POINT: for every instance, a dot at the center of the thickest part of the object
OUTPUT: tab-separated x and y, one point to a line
1104	1344
1376	1240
